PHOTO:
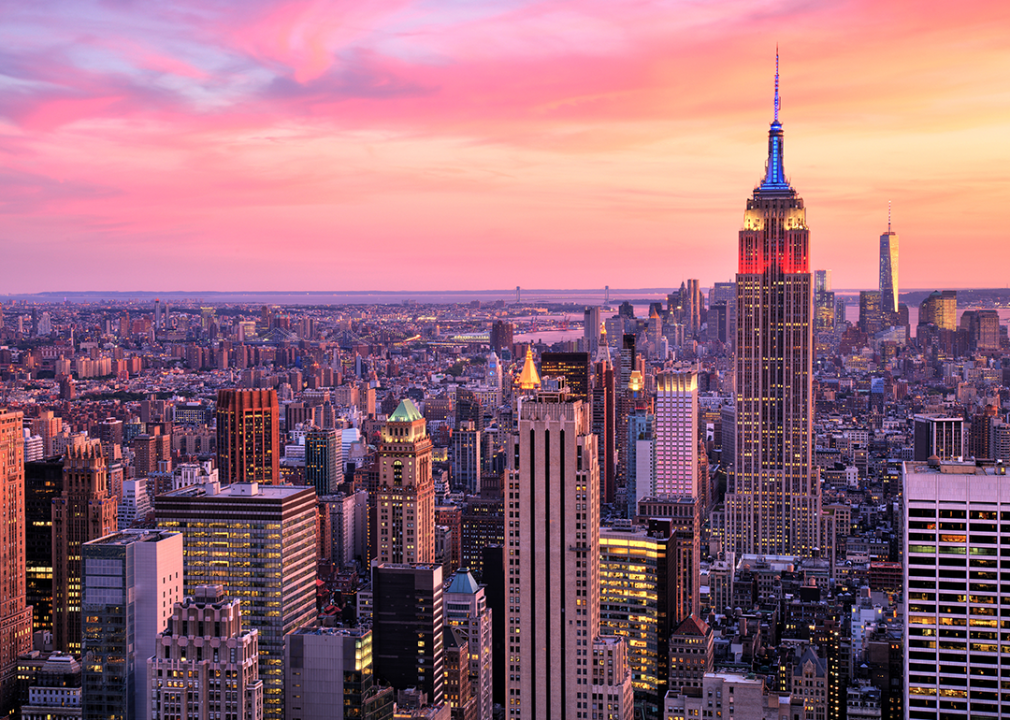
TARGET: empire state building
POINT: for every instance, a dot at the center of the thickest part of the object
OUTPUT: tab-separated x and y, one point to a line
774	504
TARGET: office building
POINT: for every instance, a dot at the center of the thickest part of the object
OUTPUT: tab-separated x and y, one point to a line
501	336
637	595
723	294
676	435
952	539
940	309
604	425
324	461
134	503
466	458
329	675
591	329
467	612
773	502
691	654
259	542
554	594
248	439
406	493
43	482
15	613
944	437
205	643
871	318
55	691
408	619
641	481
824	302
132	580
889	275
573	367
82	512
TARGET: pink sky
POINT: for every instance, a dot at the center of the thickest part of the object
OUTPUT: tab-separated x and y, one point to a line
469	144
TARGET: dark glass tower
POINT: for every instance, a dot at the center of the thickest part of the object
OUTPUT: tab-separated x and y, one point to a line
774	506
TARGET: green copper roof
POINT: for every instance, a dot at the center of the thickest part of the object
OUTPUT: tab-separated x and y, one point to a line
463	583
406	412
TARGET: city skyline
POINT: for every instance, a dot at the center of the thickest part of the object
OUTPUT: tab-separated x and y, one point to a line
273	144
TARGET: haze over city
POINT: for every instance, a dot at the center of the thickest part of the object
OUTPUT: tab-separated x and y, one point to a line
438	145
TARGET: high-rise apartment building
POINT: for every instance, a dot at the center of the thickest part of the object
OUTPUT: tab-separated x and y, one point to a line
502	332
132	580
248	439
467	612
324	460
553	571
955	520
15	613
408	617
723	294
206	644
82	512
773	506
889	274
406	493
259	542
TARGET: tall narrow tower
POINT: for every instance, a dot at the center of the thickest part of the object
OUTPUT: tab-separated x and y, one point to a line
15	614
84	511
553	611
774	505
406	497
248	440
889	274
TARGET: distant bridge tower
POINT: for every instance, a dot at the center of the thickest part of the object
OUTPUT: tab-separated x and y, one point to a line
606	294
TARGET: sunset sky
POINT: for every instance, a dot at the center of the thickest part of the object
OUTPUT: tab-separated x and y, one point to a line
470	144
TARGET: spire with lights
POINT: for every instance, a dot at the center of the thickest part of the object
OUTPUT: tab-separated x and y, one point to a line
775	177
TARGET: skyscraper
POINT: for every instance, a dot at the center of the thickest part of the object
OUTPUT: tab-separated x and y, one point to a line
676	435
554	566
259	542
205	643
940	309
889	274
871	318
408	619
952	533
824	302
131	581
248	440
82	512
15	614
43	482
324	461
774	506
591	329
406	494
467	611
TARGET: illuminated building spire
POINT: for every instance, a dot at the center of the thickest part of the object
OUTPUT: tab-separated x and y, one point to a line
775	174
778	102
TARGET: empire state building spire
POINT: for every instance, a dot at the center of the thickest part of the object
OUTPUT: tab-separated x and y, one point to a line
775	174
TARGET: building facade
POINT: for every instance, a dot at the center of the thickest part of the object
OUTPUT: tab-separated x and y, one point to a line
132	579
553	545
205	644
248	436
953	537
259	542
82	512
405	504
15	613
